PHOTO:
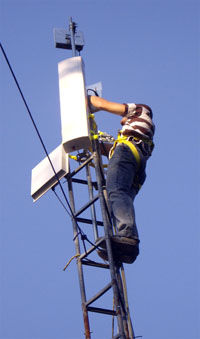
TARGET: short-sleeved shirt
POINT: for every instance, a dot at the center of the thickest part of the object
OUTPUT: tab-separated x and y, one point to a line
139	122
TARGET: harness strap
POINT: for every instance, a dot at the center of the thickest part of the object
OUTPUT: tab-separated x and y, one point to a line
123	140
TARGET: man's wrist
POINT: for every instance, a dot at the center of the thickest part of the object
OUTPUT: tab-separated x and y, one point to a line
92	108
126	110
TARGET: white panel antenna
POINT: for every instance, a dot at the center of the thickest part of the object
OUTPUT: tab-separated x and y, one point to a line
43	177
73	105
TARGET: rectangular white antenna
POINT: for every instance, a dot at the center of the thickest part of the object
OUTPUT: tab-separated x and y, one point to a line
73	105
43	177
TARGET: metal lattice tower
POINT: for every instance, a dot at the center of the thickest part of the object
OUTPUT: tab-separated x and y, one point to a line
94	181
117	276
88	158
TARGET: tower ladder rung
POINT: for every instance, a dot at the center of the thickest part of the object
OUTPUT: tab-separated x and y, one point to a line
95	264
89	221
101	310
85	254
70	175
84	182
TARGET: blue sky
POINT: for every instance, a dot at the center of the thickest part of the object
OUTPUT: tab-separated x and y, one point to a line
142	51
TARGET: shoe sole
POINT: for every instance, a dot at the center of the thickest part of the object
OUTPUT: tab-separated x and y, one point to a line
124	250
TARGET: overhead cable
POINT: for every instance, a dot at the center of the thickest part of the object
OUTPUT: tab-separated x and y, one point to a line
83	236
34	124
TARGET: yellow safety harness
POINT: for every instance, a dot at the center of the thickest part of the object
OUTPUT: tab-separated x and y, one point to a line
123	140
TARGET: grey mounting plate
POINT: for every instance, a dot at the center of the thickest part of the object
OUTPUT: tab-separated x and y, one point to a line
62	39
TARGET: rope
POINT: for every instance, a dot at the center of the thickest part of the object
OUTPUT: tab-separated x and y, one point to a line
70	260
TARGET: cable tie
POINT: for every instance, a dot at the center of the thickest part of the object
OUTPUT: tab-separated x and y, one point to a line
83	237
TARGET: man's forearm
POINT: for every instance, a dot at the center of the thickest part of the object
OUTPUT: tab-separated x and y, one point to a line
105	105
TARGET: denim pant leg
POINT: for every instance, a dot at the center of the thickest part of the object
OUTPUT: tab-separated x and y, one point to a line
121	192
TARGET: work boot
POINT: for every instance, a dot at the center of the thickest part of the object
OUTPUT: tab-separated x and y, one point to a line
127	232
102	253
124	249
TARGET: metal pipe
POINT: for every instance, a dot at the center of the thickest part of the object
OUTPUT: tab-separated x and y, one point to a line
79	264
72	27
122	299
92	207
107	227
130	326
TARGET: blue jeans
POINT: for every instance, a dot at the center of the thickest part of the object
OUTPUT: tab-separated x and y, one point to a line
121	187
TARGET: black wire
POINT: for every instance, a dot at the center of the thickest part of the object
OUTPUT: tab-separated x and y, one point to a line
37	131
23	98
94	91
54	191
80	231
34	124
83	235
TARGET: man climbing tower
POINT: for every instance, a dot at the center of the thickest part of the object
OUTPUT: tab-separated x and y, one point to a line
126	171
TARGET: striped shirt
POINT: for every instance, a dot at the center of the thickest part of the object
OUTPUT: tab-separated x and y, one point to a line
139	122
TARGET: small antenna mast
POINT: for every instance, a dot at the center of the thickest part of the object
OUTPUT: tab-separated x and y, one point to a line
69	39
72	29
